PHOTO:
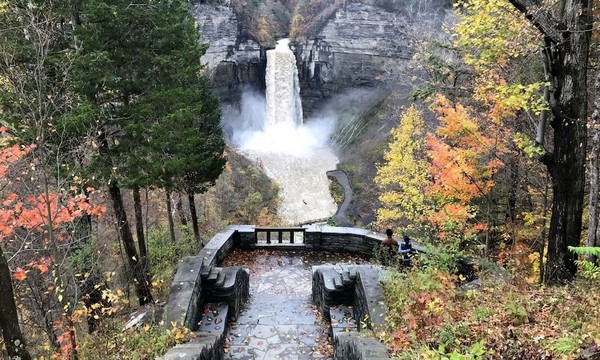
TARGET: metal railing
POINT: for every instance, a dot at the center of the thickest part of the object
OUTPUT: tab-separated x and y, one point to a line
279	235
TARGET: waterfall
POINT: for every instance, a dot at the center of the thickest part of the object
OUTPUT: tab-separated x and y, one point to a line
295	155
283	89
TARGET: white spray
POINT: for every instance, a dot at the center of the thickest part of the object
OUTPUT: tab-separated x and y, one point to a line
296	155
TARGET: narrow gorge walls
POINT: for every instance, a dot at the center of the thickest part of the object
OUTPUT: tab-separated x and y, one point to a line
359	45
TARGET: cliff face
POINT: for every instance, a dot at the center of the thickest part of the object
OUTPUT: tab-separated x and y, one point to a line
358	45
232	61
352	45
361	45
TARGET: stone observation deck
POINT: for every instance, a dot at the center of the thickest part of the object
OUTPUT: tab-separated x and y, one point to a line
280	320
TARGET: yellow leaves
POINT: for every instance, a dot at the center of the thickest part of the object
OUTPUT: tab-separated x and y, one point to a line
491	32
403	175
179	333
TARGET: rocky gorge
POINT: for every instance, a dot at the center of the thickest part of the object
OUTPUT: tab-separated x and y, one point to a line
353	58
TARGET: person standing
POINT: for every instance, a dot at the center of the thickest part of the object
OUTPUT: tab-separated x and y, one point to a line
390	246
390	241
405	249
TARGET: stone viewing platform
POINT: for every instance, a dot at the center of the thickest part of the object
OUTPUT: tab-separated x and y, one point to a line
272	293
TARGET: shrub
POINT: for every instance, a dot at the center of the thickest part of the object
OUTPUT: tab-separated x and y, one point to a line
164	256
147	342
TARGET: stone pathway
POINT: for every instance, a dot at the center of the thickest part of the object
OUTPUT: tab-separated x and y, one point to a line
279	321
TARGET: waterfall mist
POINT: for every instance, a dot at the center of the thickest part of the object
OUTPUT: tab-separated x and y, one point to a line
248	131
296	156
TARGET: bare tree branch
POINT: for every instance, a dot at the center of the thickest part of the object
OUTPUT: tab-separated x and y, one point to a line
540	18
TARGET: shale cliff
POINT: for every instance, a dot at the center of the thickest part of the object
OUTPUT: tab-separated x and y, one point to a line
346	45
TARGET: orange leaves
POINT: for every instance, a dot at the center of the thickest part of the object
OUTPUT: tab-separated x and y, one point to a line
41	211
19	274
463	160
37	212
42	265
66	341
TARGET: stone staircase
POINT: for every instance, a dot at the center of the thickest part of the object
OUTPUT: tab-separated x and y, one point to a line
209	336
351	297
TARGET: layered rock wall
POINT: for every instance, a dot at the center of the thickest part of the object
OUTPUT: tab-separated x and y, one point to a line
231	60
359	45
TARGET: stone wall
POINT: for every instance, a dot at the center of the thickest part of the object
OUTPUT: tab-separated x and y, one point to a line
369	300
185	293
358	286
199	280
345	239
352	346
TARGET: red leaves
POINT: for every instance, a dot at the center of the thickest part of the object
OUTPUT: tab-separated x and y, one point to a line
19	274
42	265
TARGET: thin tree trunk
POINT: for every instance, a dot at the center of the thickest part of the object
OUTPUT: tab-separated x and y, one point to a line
140	275
543	234
180	212
594	172
170	217
139	224
9	318
194	219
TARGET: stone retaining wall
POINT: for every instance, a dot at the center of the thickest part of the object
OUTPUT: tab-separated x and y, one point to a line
356	346
356	285
199	280
323	237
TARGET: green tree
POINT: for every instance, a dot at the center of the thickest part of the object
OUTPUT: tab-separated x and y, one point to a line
134	59
189	157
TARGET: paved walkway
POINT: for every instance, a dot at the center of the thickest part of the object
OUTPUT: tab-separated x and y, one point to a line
342	178
279	321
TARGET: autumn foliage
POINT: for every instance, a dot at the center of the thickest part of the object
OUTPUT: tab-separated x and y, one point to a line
40	219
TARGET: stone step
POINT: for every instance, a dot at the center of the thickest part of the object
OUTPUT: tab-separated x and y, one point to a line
214	274
338	282
221	278
214	318
230	274
342	319
346	278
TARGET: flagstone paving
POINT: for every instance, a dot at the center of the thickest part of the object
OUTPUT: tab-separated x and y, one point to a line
279	321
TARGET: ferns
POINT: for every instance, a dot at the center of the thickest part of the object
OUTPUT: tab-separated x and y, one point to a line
586	250
587	269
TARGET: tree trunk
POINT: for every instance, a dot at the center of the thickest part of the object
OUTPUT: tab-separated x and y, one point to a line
139	225
194	218
594	171
567	38
179	207
140	275
9	318
170	217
